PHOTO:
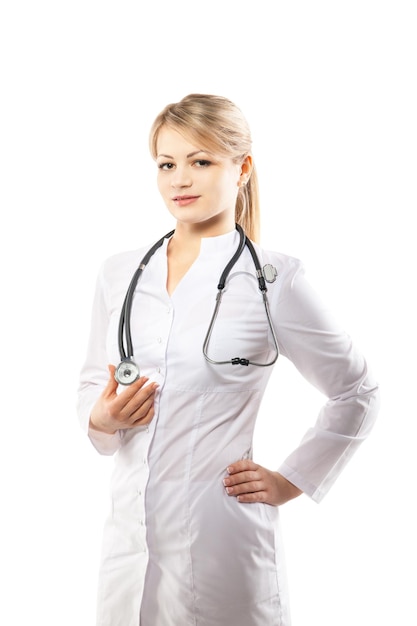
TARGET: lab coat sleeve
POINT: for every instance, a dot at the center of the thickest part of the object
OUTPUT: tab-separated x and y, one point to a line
325	355
95	374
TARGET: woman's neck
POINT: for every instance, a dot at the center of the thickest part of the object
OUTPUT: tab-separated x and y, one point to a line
190	235
184	248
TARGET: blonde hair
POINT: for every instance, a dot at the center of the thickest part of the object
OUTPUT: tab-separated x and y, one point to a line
218	125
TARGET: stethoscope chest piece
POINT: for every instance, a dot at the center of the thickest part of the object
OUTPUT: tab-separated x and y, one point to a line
127	372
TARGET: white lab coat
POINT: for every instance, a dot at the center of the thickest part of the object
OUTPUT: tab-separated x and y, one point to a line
177	550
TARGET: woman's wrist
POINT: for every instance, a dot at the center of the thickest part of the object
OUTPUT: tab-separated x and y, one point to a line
100	429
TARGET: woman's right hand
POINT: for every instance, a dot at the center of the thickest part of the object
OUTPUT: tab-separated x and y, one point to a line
134	406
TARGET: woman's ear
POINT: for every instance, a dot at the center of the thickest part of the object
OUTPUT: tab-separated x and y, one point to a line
245	170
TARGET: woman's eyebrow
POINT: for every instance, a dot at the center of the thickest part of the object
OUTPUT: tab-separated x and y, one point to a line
168	156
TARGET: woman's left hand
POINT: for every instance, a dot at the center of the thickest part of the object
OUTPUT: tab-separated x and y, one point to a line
250	482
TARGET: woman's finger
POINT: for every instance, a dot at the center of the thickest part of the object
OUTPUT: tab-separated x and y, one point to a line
128	401
142	412
141	400
246	487
241	477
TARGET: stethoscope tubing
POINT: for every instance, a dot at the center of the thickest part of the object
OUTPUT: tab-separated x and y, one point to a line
128	371
124	321
244	241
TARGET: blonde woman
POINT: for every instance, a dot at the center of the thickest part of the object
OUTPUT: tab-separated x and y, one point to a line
193	537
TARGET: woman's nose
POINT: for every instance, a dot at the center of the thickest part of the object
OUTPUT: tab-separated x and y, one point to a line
181	178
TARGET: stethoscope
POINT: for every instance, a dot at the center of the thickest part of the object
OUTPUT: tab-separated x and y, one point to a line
128	371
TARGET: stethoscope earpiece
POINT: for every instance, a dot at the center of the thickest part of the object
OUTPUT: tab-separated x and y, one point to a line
269	273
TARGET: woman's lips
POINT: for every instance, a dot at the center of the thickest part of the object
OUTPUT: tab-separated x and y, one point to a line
184	200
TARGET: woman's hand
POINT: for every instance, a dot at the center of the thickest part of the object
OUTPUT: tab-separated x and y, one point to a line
249	482
132	407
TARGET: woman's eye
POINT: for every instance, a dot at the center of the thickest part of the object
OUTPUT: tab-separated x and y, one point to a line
165	166
202	163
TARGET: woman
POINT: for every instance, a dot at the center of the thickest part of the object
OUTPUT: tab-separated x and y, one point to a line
192	537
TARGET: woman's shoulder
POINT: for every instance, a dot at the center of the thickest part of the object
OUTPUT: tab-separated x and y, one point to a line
122	263
283	263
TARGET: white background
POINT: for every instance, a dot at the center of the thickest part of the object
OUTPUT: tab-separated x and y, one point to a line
329	89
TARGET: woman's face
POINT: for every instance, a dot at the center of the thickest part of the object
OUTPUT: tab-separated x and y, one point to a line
197	186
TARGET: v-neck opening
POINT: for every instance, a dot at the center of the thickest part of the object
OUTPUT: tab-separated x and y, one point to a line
183	277
208	247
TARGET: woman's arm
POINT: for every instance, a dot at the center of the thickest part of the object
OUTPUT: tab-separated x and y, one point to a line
327	358
103	412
